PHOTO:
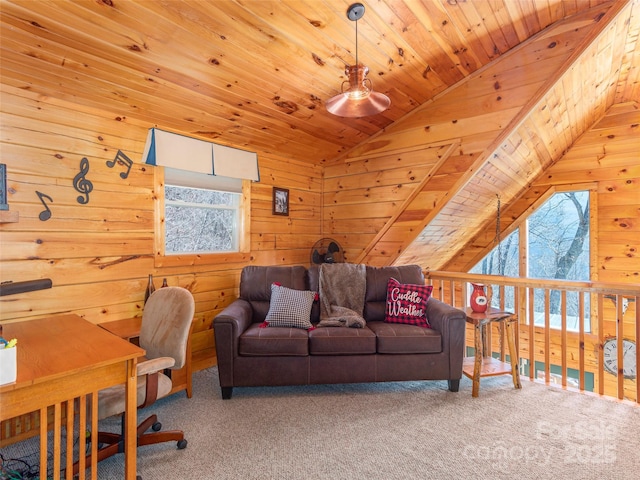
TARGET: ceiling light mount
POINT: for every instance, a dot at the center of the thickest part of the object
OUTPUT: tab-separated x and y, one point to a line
358	99
355	12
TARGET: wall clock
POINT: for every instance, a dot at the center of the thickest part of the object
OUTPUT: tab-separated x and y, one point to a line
610	350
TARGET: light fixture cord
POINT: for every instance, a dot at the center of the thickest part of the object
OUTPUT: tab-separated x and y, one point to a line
356	43
498	239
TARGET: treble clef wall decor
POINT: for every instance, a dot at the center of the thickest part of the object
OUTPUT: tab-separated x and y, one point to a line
81	184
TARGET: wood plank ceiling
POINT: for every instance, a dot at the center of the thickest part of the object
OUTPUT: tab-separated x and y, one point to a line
255	74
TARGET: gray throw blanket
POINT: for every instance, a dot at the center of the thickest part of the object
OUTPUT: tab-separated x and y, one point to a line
341	290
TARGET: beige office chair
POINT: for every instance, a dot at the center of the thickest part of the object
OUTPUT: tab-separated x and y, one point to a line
166	326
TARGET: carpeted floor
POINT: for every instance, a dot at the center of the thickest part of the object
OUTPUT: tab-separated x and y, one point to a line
408	430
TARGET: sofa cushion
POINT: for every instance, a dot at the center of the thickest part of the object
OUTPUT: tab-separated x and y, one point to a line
398	338
255	285
407	303
290	308
341	341
273	342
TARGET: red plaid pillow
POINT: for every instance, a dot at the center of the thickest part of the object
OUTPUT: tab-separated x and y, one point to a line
407	303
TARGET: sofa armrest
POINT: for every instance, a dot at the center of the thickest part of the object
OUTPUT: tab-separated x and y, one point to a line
228	325
451	323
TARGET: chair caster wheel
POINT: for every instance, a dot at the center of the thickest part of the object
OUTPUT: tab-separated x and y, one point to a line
182	444
156	427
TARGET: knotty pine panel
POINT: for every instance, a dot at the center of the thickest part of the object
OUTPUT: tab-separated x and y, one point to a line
386	177
630	172
616	179
357	226
380	209
298	241
33	132
99	254
284	225
63	271
73	298
411	158
265	241
21	103
97	219
624	191
54	245
594	161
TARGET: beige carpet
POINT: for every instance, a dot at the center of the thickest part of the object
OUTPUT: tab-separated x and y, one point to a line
409	430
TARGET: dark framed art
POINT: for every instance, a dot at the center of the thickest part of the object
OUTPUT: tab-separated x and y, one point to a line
280	201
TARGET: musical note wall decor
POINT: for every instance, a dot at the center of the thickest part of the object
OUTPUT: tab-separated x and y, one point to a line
46	213
81	183
122	159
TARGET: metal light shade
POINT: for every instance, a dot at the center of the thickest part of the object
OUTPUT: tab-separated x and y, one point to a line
359	100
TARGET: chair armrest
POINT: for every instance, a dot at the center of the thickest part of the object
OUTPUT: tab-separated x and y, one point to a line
451	323
150	369
154	365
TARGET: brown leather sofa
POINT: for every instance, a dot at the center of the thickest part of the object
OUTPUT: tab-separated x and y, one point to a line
381	352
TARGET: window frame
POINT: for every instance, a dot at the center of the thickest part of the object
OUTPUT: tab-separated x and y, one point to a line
162	259
551	191
523	268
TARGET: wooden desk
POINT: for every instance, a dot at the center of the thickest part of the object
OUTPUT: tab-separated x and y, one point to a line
483	364
63	359
129	329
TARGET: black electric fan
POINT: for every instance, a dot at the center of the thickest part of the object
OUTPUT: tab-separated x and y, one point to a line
326	250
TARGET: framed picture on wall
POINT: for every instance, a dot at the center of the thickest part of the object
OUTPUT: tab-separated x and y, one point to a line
280	201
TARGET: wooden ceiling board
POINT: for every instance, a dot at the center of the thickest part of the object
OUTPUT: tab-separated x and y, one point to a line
255	74
153	105
254	71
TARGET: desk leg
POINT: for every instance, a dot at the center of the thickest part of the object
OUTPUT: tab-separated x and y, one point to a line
43	442
513	355
130	422
477	364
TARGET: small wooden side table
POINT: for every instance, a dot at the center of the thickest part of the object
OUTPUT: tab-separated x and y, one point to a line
129	329
483	364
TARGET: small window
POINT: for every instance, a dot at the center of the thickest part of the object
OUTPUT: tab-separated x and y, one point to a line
502	260
559	238
558	249
202	213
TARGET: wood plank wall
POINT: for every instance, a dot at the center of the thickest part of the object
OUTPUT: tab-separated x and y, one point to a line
99	254
362	195
606	158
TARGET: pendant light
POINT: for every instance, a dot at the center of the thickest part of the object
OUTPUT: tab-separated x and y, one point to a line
359	99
